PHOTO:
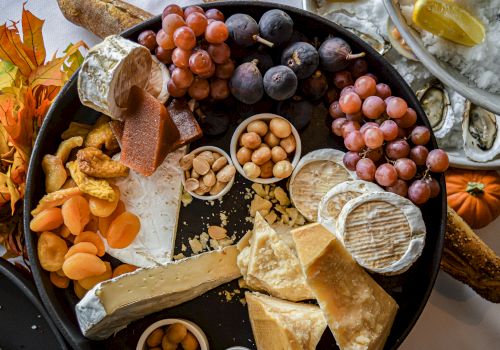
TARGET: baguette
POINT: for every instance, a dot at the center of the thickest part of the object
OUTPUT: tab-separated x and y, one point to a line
103	17
468	259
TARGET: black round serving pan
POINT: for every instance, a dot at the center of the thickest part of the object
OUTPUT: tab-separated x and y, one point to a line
24	322
226	322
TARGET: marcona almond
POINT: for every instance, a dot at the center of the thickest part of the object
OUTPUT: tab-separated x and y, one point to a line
219	163
288	144
217	232
244	155
194	174
282	169
266	170
186	162
209	179
252	170
226	173
278	153
271	140
187	174
200	165
216	155
191	184
280	127
261	155
217	188
207	155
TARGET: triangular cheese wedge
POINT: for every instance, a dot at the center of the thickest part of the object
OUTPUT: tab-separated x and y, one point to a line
359	312
283	325
269	264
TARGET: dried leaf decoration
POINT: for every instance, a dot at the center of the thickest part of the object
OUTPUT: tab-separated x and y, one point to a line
28	85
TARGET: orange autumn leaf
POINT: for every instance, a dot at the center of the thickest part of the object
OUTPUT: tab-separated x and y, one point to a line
32	37
4	189
11	49
52	72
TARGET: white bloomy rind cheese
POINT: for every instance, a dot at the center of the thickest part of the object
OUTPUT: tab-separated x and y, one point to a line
384	232
156	200
334	200
111	305
314	175
108	72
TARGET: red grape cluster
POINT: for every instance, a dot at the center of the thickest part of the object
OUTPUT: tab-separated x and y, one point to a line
384	144
192	43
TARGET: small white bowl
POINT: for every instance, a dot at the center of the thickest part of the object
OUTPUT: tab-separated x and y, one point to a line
241	129
191	327
229	184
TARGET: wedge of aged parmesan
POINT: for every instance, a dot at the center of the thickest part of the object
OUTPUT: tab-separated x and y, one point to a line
111	305
334	200
156	200
269	264
383	231
283	325
358	311
315	174
108	72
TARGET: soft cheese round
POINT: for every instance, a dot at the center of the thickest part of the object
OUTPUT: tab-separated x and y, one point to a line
108	72
334	200
315	174
158	79
384	232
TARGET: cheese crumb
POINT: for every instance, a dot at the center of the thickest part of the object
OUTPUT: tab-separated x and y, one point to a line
183	247
186	198
179	256
195	245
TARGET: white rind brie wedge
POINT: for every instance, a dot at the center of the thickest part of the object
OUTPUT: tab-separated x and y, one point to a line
332	203
156	200
384	232
315	174
111	305
108	72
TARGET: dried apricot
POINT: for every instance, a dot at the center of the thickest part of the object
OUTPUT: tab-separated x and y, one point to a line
123	230
55	199
79	290
93	224
92	237
60	272
46	220
76	214
104	223
51	250
59	281
83	265
103	208
122	269
90	282
81	247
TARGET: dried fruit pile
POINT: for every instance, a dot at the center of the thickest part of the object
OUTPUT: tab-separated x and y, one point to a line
75	208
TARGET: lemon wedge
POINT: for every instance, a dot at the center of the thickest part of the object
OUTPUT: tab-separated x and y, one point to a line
448	20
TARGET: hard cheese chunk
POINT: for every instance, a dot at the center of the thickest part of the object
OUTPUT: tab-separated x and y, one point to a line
113	304
358	311
149	133
269	264
283	325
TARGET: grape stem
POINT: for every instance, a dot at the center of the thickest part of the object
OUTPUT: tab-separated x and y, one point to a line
351	56
261	40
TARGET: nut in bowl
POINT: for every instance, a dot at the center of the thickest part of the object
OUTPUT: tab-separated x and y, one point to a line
265	148
208	172
173	333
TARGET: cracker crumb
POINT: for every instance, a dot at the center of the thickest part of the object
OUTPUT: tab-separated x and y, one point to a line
186	198
195	245
179	256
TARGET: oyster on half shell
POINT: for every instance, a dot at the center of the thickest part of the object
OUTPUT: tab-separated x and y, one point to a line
480	133
436	104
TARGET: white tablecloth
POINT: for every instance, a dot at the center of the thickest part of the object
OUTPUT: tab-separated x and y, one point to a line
455	317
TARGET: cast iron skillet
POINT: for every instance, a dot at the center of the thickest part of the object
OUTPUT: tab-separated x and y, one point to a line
22	310
226	323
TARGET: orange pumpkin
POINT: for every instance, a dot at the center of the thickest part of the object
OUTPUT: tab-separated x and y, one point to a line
474	195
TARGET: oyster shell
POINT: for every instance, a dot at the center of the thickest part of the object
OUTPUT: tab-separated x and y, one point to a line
436	104
375	40
480	133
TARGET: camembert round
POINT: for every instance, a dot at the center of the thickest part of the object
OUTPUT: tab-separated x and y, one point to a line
384	232
315	174
334	200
